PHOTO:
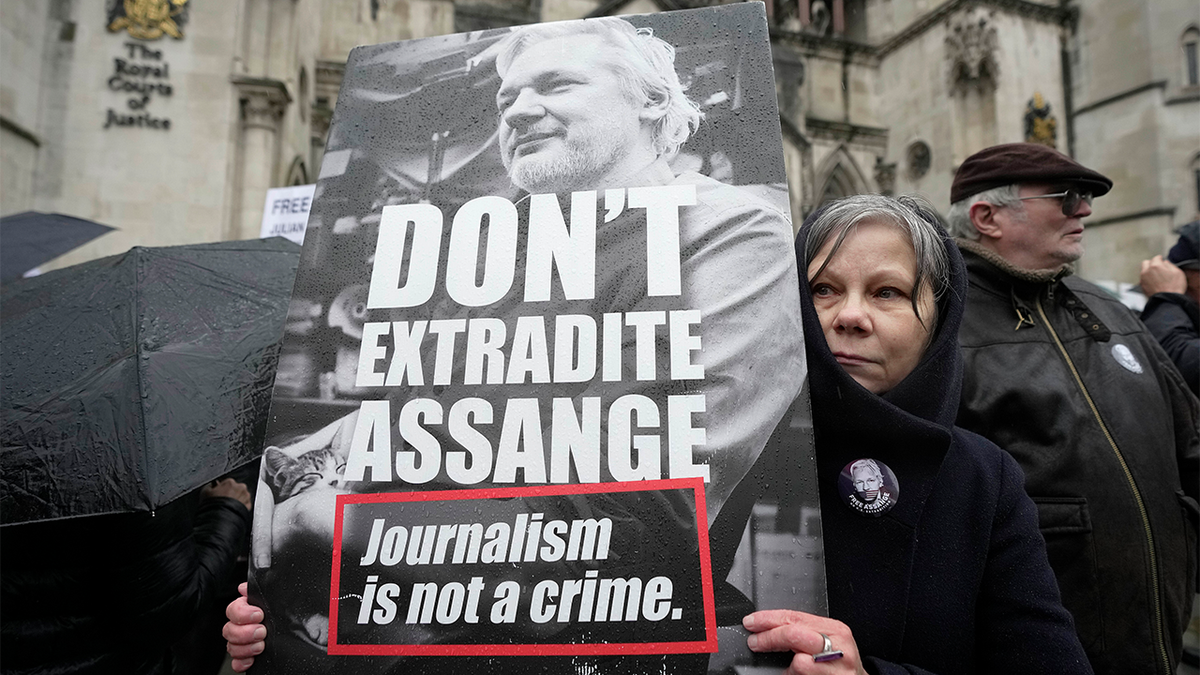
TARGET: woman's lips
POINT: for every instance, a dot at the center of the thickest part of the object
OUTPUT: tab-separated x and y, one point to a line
847	359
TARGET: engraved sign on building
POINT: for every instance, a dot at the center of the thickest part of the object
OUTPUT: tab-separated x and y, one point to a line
141	75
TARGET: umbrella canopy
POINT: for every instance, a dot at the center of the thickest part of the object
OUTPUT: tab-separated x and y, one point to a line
31	238
130	380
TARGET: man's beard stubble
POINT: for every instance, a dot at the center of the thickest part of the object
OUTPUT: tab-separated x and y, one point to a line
581	161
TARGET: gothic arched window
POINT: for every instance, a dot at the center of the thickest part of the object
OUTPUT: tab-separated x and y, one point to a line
1191	57
918	159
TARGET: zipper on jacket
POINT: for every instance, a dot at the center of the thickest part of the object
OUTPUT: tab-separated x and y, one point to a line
1160	631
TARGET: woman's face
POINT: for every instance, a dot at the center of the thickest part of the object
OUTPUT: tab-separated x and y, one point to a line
863	298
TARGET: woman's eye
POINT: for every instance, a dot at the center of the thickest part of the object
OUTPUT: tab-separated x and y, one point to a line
822	290
890	293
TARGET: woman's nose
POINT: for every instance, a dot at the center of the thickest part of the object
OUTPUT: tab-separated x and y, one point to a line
853	316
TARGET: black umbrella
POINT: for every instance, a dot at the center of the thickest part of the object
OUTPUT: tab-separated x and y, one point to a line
130	380
31	238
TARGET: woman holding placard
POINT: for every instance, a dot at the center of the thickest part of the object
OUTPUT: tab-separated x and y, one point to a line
933	558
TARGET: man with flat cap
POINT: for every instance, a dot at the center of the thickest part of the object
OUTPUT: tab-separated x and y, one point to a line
1067	380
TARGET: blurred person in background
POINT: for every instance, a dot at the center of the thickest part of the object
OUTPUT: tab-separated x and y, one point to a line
1172	312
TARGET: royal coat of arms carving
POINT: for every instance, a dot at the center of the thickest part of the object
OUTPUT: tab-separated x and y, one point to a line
148	19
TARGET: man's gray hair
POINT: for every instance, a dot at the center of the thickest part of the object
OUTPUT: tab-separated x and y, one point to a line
959	215
868	465
910	214
646	74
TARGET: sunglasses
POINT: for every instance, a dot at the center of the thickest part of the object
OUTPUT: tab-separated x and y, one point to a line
1070	200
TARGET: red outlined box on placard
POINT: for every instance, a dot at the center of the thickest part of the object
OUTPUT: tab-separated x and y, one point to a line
696	485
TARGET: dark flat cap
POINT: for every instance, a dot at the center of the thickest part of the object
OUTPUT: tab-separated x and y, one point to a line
1010	163
1186	252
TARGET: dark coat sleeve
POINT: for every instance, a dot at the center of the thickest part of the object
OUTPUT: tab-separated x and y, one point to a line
1172	318
111	593
217	539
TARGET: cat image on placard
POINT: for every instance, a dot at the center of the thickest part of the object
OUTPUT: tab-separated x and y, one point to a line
288	477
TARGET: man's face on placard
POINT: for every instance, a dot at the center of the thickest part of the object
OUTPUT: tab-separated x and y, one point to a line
566	123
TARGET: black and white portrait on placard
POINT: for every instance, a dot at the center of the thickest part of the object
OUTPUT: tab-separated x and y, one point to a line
539	405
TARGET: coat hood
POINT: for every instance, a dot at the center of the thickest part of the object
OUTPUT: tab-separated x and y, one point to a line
918	413
909	429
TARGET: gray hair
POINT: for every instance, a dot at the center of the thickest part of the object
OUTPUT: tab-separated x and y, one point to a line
867	464
646	74
959	215
910	214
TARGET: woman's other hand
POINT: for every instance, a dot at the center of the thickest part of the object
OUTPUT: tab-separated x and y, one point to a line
782	630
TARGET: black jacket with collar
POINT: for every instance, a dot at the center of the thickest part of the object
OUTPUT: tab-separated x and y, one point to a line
1070	383
954	579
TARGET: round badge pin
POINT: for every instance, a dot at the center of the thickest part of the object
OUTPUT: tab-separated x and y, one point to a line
1126	358
868	487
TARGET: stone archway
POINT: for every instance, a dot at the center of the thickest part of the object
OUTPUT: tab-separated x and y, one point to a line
297	173
839	176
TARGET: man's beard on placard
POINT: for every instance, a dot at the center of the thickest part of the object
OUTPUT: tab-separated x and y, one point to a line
577	163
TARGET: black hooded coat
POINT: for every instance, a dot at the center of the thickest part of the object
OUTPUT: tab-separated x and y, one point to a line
114	593
954	578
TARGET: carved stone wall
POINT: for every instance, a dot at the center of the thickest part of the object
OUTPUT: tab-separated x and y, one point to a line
263	102
22	41
971	45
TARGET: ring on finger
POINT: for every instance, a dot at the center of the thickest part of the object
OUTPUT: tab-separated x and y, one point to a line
827	653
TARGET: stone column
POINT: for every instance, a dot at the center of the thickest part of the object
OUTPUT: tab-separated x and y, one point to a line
322	116
257	36
262	102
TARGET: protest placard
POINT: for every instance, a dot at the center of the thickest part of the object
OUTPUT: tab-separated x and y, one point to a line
539	407
285	212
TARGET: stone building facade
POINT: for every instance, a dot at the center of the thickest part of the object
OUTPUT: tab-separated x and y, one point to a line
169	119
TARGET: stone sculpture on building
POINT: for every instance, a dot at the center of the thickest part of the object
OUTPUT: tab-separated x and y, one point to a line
148	19
1040	124
971	45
